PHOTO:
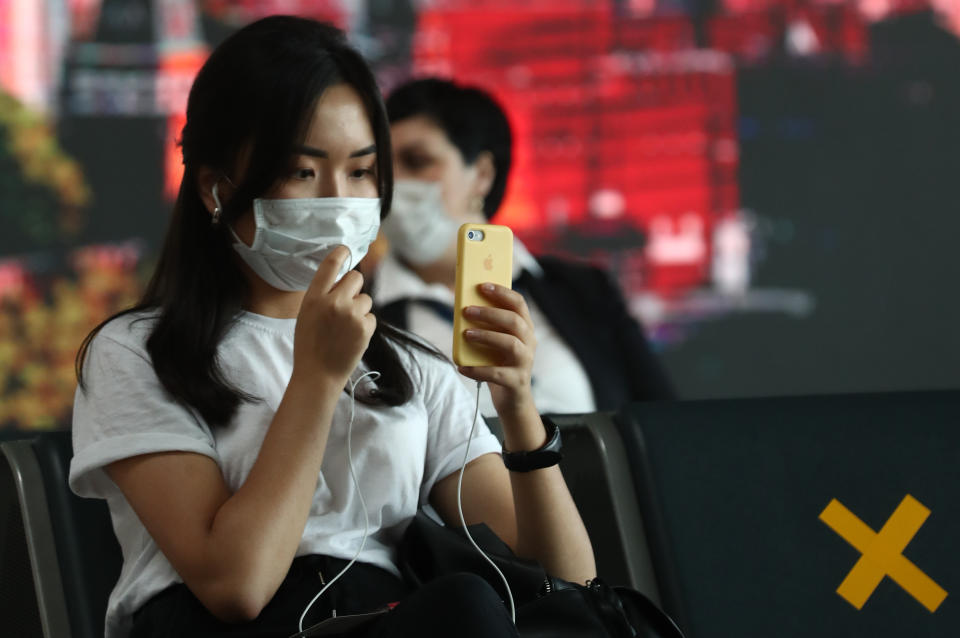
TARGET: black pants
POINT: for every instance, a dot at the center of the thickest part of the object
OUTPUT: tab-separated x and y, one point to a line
461	605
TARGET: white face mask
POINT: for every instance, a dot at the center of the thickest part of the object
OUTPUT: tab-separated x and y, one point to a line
418	227
294	235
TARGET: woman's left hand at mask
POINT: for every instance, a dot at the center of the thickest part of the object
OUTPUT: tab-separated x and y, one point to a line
508	332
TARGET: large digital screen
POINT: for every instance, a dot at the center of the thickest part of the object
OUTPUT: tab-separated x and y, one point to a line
772	182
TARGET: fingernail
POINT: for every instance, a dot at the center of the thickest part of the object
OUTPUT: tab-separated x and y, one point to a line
470	310
470	333
488	287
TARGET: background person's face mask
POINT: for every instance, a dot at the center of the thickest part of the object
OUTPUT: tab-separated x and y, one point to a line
294	235
418	227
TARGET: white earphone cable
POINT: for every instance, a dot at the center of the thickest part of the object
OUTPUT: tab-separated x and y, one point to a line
463	466
363	504
366	518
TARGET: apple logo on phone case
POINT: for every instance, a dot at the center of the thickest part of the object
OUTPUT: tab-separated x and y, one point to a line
488	263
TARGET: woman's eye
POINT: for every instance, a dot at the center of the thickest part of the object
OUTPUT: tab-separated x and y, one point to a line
303	173
361	173
414	162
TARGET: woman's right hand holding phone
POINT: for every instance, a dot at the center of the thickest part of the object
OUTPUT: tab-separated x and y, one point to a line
335	324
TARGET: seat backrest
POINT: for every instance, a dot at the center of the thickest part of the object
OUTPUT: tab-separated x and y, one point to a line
74	556
88	551
18	599
598	475
790	517
83	560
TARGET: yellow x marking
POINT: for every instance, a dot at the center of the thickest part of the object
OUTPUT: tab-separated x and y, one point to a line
882	553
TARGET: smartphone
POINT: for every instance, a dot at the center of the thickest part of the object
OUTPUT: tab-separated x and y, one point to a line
484	255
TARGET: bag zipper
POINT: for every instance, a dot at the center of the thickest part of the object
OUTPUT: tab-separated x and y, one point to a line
547	587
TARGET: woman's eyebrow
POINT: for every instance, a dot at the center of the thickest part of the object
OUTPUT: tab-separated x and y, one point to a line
319	152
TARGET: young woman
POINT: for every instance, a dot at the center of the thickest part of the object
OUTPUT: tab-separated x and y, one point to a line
453	156
217	417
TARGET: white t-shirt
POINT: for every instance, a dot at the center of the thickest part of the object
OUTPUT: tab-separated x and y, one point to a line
559	382
399	452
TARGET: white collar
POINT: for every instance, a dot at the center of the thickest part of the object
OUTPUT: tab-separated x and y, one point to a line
523	260
395	281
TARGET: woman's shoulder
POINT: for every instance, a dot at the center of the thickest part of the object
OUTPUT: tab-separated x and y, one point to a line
582	280
563	268
130	330
116	354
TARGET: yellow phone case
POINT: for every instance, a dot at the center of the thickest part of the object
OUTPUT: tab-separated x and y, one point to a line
489	259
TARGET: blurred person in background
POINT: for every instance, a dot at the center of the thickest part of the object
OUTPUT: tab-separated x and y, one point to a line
216	416
452	150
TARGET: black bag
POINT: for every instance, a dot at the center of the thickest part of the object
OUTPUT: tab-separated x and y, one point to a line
546	606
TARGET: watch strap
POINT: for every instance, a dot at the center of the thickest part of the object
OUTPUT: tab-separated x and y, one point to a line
547	455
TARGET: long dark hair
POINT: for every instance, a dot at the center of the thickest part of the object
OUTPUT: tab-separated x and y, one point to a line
254	96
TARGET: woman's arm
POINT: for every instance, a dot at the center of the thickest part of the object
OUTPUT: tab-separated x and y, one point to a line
233	550
532	512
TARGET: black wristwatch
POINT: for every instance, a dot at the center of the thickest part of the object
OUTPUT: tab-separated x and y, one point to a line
544	456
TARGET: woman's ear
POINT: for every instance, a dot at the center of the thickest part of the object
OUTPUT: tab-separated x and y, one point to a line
207	178
485	173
